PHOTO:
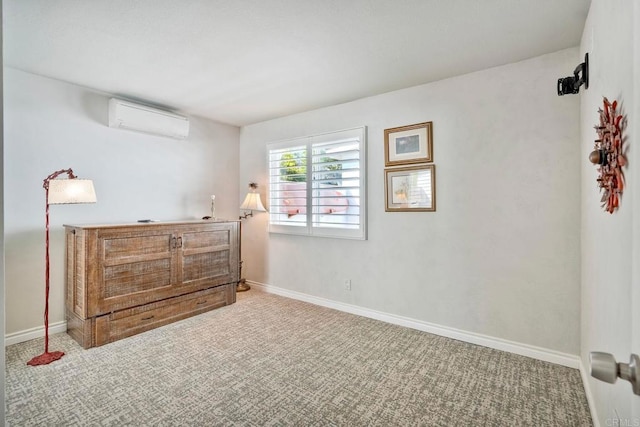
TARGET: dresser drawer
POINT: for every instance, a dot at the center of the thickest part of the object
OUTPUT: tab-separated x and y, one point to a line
128	322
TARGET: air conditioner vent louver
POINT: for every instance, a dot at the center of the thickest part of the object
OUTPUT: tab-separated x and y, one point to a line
141	118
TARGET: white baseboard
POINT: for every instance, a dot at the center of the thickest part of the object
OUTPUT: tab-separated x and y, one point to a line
552	356
539	353
587	391
33	333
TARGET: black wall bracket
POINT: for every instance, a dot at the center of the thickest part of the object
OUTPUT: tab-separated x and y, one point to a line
571	84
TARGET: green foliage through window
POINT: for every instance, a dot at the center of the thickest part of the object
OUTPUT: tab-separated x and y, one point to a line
334	167
293	167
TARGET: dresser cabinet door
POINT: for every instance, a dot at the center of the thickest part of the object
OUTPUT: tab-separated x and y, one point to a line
208	257
135	267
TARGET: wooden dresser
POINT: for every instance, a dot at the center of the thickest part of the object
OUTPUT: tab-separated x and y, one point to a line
125	279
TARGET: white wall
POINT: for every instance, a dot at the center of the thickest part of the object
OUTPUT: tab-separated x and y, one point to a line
500	256
611	243
2	316
635	123
51	125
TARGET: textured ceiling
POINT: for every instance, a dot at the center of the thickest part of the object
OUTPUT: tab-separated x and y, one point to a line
245	61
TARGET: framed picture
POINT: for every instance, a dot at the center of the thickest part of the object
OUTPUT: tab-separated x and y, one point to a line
410	189
408	144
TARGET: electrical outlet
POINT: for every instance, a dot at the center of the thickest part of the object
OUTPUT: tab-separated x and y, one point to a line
347	284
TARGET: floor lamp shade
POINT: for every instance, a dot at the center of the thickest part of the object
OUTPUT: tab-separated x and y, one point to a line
252	203
57	192
71	191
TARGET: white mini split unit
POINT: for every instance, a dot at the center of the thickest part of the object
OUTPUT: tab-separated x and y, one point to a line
140	118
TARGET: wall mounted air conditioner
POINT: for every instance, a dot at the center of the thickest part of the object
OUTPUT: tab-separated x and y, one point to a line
140	118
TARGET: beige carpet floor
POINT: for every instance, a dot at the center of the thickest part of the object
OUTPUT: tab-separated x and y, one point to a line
272	361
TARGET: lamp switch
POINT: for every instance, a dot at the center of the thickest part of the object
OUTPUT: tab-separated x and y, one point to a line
347	284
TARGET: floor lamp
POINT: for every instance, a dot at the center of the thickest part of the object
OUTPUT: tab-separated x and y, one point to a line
58	192
251	203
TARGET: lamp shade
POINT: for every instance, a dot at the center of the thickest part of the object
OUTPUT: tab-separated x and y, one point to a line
71	191
252	202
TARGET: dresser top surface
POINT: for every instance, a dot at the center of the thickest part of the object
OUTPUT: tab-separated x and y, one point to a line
147	223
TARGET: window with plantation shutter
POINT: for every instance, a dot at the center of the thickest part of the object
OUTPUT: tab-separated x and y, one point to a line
317	185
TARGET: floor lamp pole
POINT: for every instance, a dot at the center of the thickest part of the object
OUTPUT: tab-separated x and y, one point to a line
46	357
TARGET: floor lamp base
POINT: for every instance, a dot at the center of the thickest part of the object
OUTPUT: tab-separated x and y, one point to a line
242	286
46	358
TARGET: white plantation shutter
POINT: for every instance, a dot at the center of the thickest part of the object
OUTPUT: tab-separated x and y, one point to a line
288	186
317	185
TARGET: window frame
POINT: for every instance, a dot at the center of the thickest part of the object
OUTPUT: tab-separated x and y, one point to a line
308	227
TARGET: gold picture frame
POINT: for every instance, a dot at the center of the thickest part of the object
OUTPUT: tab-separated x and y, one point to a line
408	144
410	189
